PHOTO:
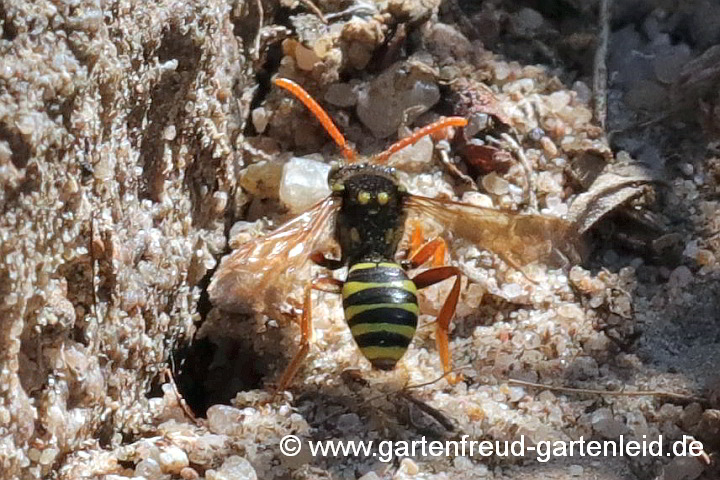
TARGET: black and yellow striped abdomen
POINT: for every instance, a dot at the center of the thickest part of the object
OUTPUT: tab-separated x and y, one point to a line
381	309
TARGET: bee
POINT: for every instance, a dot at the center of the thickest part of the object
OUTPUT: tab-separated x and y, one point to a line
365	214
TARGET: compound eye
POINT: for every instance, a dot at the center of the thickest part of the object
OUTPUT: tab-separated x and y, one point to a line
363	197
383	198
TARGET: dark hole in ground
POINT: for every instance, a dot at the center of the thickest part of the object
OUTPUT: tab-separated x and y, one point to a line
217	364
214	371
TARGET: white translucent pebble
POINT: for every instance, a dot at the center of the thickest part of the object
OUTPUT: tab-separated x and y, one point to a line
559	100
149	468
570	311
524	86
224	419
262	178
494	184
26	124
478	199
304	182
236	468
502	71
516	394
531	340
48	456
173	459
260	119
413	157
512	290
547	182
169	133
555	206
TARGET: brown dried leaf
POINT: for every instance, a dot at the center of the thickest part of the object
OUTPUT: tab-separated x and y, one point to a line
483	158
616	185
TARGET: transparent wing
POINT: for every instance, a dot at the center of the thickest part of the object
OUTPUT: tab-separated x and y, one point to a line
258	275
517	238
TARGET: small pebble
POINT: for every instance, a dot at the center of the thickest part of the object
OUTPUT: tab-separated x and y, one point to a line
409	467
169	133
341	95
189	473
683	468
548	146
260	119
495	184
680	277
370	476
236	468
172	459
305	58
687	169
605	424
413	157
304	182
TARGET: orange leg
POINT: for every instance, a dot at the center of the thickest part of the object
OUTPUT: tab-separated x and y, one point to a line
325	284
319	113
420	253
417	135
442	323
330	263
418	256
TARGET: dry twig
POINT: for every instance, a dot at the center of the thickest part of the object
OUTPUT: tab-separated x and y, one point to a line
600	65
619	393
517	150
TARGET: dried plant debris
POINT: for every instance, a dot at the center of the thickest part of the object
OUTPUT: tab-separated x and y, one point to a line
616	185
140	143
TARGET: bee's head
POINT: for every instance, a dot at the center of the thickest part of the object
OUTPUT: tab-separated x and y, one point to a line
370	188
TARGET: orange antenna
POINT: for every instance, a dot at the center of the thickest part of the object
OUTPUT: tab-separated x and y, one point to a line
319	113
417	135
